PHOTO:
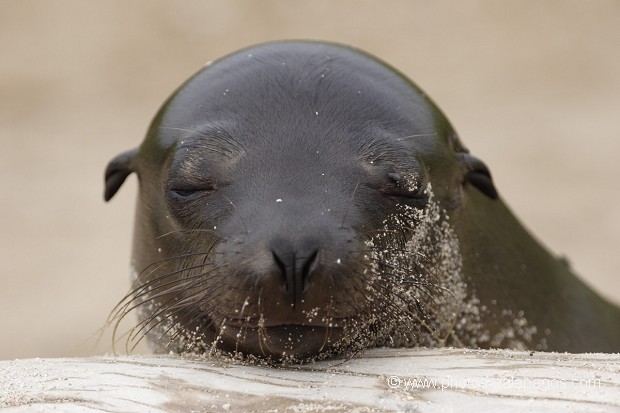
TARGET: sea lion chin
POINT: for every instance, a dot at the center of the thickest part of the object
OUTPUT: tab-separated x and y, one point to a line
300	200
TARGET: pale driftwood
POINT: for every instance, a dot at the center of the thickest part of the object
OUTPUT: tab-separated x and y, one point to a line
417	380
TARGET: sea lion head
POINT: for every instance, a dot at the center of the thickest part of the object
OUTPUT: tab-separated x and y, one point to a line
280	190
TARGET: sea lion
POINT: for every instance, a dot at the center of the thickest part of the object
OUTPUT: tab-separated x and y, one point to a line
302	199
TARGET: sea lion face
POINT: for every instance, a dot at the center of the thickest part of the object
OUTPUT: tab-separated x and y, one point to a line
269	187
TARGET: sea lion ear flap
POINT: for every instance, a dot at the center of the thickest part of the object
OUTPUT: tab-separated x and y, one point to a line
477	174
117	171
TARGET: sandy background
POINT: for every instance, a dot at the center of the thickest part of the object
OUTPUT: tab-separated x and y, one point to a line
532	86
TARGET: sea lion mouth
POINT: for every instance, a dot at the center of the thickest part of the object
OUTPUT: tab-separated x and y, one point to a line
279	342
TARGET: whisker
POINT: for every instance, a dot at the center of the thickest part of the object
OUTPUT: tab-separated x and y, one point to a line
240	216
179	129
171	303
418	135
211	231
346	212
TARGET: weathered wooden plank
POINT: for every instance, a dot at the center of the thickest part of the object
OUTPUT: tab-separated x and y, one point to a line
420	380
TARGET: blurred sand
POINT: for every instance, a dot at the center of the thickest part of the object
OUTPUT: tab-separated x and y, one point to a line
533	88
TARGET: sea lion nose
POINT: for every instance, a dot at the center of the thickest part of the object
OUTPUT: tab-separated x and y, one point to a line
295	264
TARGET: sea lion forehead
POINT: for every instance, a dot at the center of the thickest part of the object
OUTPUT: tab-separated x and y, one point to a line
295	68
299	83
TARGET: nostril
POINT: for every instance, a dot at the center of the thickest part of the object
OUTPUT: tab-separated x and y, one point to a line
308	267
279	263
